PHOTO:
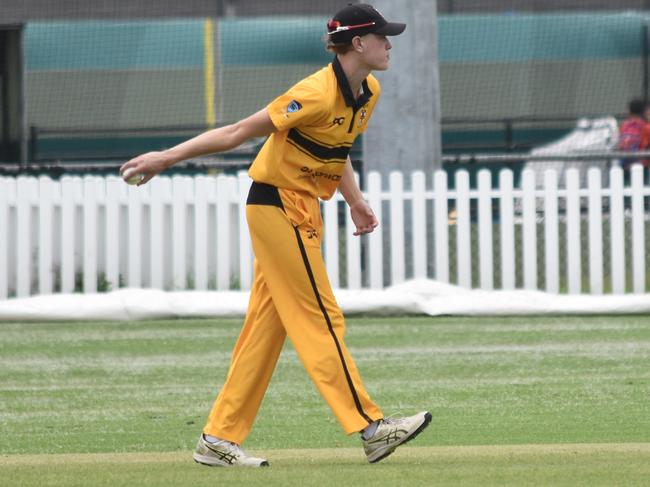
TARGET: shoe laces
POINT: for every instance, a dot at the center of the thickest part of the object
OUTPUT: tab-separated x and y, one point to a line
233	448
393	419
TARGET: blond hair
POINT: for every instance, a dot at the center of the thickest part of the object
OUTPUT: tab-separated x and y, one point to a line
340	48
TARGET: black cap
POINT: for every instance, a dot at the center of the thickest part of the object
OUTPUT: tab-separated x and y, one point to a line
358	20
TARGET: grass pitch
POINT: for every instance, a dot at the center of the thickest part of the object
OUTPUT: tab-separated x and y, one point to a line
547	400
570	465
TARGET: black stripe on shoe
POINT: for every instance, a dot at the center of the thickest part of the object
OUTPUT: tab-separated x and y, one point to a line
421	428
355	396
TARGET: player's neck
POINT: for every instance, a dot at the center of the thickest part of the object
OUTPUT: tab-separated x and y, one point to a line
354	72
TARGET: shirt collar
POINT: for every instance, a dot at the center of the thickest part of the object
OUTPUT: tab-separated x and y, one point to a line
346	91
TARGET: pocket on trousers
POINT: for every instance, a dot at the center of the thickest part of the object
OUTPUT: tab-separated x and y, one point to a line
303	211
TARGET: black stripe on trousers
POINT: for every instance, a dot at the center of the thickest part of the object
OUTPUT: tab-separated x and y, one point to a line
303	252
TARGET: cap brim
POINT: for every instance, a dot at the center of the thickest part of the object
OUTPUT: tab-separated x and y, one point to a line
391	29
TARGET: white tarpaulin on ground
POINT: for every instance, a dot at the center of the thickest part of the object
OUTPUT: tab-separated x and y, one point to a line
412	297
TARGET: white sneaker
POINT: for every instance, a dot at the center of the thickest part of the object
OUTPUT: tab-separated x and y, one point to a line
224	454
393	432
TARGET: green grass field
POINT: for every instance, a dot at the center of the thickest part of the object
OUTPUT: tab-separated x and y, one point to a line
515	401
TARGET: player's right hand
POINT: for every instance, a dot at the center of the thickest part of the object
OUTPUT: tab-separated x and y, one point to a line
148	165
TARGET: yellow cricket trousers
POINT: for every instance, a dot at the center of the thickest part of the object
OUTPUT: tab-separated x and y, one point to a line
291	296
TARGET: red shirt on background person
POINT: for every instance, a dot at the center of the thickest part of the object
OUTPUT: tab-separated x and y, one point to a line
634	133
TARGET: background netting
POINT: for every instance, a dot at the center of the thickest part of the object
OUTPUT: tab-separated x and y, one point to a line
107	79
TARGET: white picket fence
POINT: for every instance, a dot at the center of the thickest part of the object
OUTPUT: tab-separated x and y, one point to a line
89	234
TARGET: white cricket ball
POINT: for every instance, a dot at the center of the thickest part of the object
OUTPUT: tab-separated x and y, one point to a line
134	178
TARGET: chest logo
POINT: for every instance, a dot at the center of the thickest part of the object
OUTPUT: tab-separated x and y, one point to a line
338	121
362	116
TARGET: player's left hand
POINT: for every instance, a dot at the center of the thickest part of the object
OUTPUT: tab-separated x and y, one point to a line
363	217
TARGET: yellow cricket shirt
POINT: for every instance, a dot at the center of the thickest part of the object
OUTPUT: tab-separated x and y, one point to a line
317	121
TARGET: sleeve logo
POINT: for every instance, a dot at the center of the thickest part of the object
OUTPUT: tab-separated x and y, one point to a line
294	106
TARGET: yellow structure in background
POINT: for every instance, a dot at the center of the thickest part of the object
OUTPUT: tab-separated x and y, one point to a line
208	75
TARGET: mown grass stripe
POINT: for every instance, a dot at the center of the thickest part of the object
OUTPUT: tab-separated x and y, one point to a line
353	455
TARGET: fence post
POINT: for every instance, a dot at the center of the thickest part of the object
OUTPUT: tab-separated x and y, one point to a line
4	230
441	225
134	256
234	242
23	236
573	261
90	235
45	203
638	231
463	230
617	229
159	195
529	229
70	189
486	265
506	216
376	257
551	232
419	224
179	229
200	227
396	184
115	193
223	232
595	215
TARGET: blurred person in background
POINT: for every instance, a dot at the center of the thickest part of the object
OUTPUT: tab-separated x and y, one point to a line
634	135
